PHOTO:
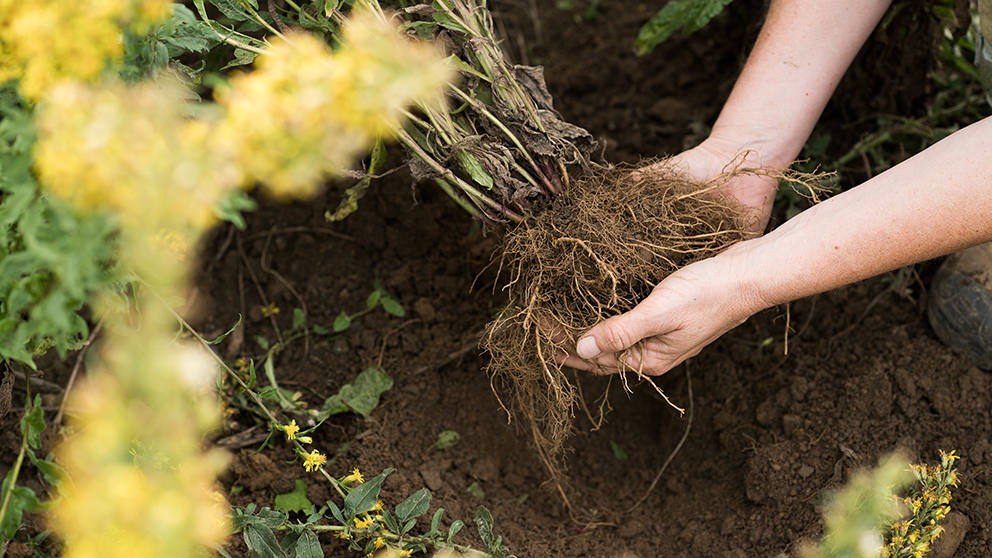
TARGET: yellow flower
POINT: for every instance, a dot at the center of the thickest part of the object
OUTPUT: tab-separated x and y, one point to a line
241	365
270	310
363	523
304	439
304	112
342	535
355	475
313	460
291	429
378	505
379	543
44	42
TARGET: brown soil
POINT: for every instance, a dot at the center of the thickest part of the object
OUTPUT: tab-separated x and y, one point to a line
770	432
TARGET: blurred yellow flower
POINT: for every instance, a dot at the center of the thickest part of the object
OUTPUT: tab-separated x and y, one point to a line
130	150
43	42
304	112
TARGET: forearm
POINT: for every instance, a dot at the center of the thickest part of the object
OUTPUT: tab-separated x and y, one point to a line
804	48
932	204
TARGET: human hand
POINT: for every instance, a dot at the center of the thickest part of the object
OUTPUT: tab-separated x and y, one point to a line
716	156
687	311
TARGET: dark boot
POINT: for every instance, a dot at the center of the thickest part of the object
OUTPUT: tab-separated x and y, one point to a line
960	306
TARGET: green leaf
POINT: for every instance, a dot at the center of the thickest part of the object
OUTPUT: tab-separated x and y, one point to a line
232	9
320	330
308	546
223	336
462	66
299	320
361	397
618	451
53	473
242	57
262	342
473	167
446	439
389	522
392	307
22	499
231	206
373	298
455	527
251	374
342	322
414	506
33	423
690	15
436	522
260	540
295	500
363	497
484	521
475	490
336	512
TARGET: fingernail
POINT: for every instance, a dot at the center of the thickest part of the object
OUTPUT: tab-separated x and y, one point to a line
587	348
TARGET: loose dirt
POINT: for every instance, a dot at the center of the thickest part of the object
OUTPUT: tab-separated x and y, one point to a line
771	432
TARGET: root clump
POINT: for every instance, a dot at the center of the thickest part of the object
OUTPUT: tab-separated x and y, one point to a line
600	249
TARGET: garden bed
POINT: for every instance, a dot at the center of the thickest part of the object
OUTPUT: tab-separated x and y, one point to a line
770	432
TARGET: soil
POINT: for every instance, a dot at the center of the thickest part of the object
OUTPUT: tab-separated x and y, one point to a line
771	433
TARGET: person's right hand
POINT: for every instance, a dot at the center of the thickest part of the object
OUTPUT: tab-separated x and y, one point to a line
715	156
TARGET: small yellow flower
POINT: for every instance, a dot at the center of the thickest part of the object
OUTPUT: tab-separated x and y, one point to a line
364	523
314	460
342	535
378	505
291	429
355	475
305	439
405	553
270	310
379	543
241	365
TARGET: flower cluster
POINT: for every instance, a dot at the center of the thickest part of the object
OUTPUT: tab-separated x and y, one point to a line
131	151
369	525
44	42
141	487
304	112
913	535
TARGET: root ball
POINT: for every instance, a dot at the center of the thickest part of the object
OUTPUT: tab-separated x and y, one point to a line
600	249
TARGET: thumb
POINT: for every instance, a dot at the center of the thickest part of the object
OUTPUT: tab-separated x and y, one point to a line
615	334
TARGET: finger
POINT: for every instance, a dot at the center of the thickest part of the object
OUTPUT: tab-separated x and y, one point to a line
617	333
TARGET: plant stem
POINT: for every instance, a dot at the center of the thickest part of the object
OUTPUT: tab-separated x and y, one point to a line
16	470
464	186
482	109
254	396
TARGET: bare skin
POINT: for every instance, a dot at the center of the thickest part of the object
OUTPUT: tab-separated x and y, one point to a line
932	204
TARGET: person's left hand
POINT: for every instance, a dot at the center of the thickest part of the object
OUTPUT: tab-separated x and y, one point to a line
687	311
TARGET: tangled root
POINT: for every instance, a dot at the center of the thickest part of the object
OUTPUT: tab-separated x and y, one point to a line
600	249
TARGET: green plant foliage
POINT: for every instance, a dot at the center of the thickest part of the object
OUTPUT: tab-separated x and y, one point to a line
167	40
360	397
447	439
618	451
295	500
690	15
16	500
51	260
